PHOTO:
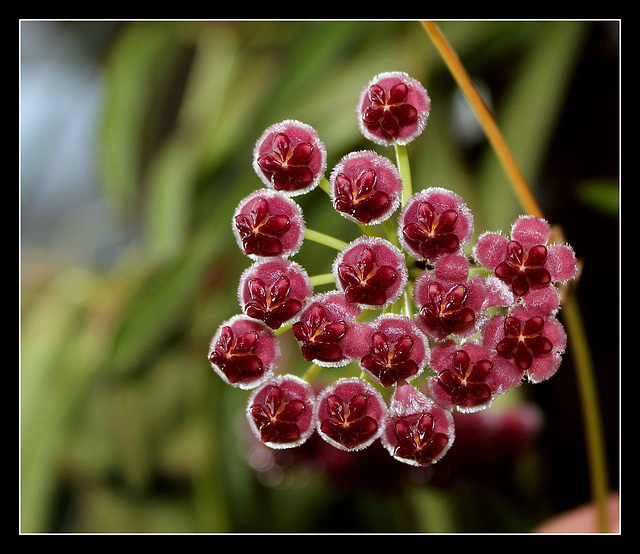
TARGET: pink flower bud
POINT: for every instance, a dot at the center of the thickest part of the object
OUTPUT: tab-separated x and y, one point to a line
268	223
290	157
281	412
468	377
398	350
371	272
244	352
365	187
448	302
434	222
274	290
527	261
327	332
350	414
417	432
393	108
534	344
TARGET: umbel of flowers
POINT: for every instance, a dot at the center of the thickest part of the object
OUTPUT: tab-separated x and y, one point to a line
413	296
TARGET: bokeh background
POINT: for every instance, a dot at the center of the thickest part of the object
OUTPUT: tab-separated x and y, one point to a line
136	140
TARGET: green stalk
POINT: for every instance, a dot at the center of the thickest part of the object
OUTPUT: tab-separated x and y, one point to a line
402	159
322	279
321	238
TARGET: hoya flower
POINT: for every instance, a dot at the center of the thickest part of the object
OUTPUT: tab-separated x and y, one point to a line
274	290
371	272
350	414
290	157
434	222
399	351
449	303
534	344
417	432
526	261
268	223
281	412
468	377
393	108
327	332
365	187
244	352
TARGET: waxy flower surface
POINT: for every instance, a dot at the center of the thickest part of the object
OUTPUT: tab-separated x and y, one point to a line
449	303
469	377
371	271
417	432
244	352
268	224
290	157
534	344
327	330
281	412
393	107
365	187
399	351
350	414
274	290
526	261
434	222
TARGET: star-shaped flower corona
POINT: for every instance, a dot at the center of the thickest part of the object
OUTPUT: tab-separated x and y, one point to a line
399	351
350	414
393	108
534	344
281	411
371	271
365	187
327	332
274	290
290	157
244	352
417	432
526	261
434	222
468	377
267	224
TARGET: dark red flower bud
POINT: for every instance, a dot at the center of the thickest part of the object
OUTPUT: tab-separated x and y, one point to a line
350	414
281	412
244	352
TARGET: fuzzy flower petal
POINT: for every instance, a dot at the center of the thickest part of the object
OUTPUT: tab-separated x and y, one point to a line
290	157
365	187
434	222
393	108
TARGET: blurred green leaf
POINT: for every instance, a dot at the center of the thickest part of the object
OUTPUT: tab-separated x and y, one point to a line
603	196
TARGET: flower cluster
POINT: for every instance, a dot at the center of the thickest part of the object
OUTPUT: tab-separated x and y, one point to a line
431	324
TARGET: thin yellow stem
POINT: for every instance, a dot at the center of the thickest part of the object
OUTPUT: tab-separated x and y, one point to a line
590	408
485	119
572	316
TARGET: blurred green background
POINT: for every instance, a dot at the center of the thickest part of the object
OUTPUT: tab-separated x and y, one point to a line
136	145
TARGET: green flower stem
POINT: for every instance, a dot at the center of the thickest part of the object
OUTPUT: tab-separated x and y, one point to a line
572	317
322	279
283	329
311	373
402	159
590	408
324	185
327	240
390	231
